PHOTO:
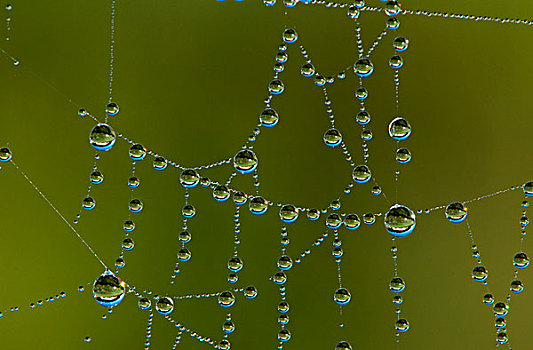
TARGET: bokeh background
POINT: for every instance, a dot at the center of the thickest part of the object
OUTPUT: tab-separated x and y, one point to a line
190	80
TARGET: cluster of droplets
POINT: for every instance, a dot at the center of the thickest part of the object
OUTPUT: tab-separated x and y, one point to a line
284	264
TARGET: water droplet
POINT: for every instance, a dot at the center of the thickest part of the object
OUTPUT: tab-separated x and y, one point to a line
184	237
396	62
284	335
521	260
276	87
397	285
164	305
269	117
228	327
250	292
369	218
313	214
402	325
403	155
528	188
307	70
343	345
160	163
111	109
502	338
226	299
363	118
144	303
258	205
500	309
102	137
127	243
361	93
361	174
480	274
392	8
285	263
400	221
184	254
290	35
400	43
135	205
108	289
500	323
332	137
137	152
333	221
352	221
133	182
128	226
235	264
363	67
376	190
120	263
393	23
342	296
279	277
456	212
189	178
87	339
88	203
353	12
239	198
245	161
283	307
82	112
488	299
288	213
399	129
397	299
96	177
221	193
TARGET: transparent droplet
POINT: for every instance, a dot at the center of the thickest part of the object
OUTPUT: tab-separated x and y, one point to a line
502	338
245	161
333	221
290	35
361	93
366	135
258	205
250	292
283	319
369	218
284	335
343	345
108	289
111	109
288	213
133	182
500	309
397	300
399	129
397	285
160	163
235	264
403	155
226	299
488	299
269	2
184	254
120	263
224	344
400	43
279	277
189	178
164	305
353	12
144	303
342	296
480	273
393	23
456	212
396	62
363	118
228	327
239	198
269	117
500	323
221	193
307	70
5	154
283	307
313	214
363	67
402	325
332	137
188	211
102	137
276	87
184	237
135	205
137	152
88	203
128	243
352	221
400	221
96	177
82	112
521	260
361	174
285	263
282	57
376	190
392	8
87	339
517	286
128	226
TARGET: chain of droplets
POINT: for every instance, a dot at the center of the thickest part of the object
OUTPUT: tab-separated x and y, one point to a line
8	22
129	224
195	335
227	328
341	292
183	254
397	285
38	303
376	42
178	340
111	51
280	278
235	263
440	207
308	251
149	330
95	178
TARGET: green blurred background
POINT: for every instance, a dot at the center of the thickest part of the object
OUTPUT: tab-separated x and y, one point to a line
190	79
